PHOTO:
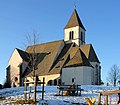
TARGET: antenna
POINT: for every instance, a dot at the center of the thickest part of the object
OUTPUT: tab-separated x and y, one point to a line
75	4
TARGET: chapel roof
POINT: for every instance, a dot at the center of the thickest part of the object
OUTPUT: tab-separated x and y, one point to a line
52	57
79	59
24	55
48	53
74	21
89	52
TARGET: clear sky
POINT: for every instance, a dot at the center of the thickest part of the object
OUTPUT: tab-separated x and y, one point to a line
48	18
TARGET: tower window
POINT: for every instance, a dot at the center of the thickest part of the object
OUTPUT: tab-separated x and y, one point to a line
71	35
81	36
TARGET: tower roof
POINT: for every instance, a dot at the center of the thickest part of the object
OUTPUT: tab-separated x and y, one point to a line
74	21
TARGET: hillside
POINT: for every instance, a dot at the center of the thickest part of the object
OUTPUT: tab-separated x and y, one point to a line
14	94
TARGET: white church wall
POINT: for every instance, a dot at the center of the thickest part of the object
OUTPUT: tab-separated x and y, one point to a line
47	78
87	76
96	73
80	75
69	73
14	63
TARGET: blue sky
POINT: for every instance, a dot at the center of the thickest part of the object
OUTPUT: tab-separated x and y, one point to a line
48	18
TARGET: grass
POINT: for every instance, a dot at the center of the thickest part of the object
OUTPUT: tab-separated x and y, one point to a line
23	102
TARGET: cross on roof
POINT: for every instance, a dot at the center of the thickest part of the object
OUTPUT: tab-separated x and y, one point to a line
75	4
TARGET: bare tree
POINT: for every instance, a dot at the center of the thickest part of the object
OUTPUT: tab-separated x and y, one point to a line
114	75
33	57
32	40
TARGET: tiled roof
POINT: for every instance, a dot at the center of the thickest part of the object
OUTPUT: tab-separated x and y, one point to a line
90	53
50	51
53	56
62	59
74	21
79	59
24	55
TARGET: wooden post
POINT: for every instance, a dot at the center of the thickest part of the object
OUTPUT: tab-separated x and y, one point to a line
106	100
29	93
99	99
25	89
35	89
43	89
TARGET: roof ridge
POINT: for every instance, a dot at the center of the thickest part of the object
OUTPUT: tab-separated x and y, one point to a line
48	42
43	44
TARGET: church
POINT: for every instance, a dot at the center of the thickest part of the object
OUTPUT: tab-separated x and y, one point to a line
65	61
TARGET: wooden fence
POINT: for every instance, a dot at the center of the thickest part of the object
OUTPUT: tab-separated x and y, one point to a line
106	93
35	82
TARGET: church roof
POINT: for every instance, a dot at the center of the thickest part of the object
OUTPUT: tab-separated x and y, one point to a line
48	52
24	55
53	56
89	52
62	59
79	59
74	21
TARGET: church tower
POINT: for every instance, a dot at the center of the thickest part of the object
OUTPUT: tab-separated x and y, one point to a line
74	31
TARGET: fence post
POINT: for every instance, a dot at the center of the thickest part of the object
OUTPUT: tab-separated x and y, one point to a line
43	89
106	100
35	89
29	92
25	89
99	99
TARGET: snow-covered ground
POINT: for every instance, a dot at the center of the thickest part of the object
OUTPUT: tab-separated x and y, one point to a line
12	94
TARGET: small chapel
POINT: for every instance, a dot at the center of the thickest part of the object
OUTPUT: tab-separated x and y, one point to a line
65	61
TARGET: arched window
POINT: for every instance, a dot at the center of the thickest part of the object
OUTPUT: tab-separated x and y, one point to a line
16	79
81	36
71	35
96	66
49	82
55	82
99	67
59	81
73	80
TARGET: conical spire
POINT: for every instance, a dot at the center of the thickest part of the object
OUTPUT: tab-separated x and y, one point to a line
74	21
